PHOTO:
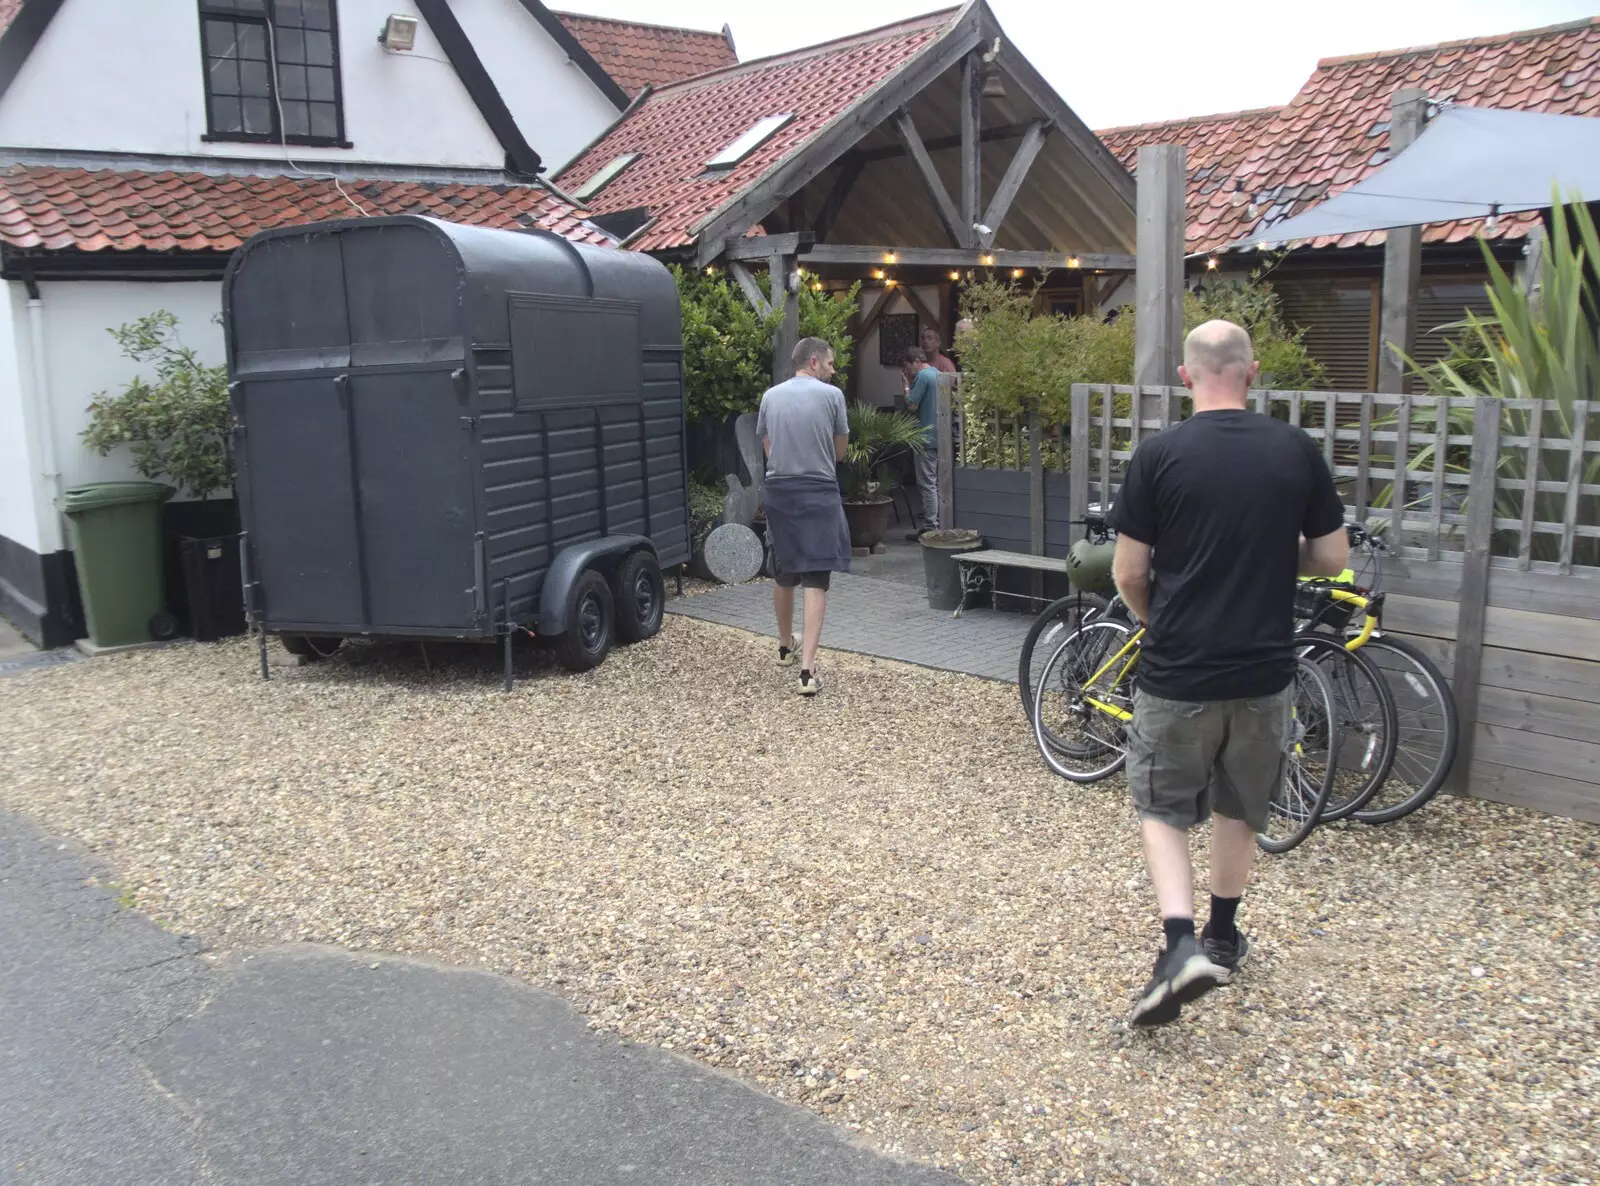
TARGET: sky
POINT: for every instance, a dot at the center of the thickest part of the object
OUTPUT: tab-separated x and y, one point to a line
1136	61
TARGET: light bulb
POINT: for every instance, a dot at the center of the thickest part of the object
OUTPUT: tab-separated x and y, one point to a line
889	258
955	275
1211	264
1072	261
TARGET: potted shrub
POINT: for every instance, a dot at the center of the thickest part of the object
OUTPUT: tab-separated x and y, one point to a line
873	433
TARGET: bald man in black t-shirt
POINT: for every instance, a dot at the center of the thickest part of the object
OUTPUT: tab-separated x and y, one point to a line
1217	517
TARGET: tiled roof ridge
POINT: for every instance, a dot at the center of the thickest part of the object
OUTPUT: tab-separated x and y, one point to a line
715	34
1247	113
1382	55
822	48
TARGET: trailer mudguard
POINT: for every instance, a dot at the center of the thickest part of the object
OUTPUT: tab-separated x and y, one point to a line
569	564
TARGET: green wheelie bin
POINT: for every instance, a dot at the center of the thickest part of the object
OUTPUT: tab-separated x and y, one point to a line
116	544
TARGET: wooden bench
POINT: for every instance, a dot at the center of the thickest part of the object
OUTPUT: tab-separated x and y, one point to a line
985	565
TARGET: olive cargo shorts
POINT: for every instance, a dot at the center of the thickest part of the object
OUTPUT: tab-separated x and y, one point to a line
1187	757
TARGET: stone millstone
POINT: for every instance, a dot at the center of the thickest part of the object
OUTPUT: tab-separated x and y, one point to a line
734	554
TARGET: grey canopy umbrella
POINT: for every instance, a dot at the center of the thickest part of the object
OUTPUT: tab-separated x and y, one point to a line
1469	162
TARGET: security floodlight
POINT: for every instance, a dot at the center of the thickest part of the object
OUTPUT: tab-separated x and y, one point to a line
399	33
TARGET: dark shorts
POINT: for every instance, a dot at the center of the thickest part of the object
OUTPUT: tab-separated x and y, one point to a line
808	580
1186	758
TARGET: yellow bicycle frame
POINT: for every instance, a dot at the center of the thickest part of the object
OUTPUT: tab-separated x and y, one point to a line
1112	710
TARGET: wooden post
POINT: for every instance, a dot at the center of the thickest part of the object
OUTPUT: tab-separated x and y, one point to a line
1530	269
786	300
945	437
1158	347
1402	255
971	174
1035	501
1474	599
1078	467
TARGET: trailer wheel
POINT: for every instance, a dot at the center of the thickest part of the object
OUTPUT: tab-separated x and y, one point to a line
310	649
590	631
641	597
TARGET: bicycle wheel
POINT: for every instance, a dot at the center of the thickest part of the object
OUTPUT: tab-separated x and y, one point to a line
1058	619
1428	733
1368	725
1309	769
1080	742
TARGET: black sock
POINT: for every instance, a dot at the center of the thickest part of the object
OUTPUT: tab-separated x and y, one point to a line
1177	928
1221	925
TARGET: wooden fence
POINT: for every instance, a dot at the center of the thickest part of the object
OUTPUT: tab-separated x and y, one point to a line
1493	526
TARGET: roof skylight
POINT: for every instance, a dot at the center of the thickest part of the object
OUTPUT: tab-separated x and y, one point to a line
606	175
758	134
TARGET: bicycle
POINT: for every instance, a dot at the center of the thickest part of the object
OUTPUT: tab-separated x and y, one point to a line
1086	693
1062	616
1427	727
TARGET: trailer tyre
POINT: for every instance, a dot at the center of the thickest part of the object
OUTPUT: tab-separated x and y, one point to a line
591	625
310	649
641	597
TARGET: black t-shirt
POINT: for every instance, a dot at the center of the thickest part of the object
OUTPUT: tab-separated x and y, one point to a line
1223	499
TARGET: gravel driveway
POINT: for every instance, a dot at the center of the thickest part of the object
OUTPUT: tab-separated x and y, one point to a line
877	904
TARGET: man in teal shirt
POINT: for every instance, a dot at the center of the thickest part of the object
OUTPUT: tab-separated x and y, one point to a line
922	395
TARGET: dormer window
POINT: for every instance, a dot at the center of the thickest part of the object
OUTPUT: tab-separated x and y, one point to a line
759	134
272	71
605	176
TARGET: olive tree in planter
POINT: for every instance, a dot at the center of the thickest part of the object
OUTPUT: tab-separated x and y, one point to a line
866	483
176	428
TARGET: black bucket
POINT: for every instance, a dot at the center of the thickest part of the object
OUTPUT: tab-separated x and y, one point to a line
939	552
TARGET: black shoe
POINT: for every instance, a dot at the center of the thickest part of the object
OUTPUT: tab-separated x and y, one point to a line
1182	974
1227	956
810	685
787	657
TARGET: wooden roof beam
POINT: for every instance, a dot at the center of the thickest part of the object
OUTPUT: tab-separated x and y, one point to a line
794	172
907	128
933	257
1016	173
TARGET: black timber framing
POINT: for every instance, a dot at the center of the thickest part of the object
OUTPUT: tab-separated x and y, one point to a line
581	58
30	265
457	46
742	212
21	36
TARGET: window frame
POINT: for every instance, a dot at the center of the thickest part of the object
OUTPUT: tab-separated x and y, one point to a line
214	10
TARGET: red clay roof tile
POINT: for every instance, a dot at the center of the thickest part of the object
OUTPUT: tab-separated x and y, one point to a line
1325	133
636	55
683	125
57	209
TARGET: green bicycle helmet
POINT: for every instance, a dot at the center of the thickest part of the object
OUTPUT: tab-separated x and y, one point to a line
1089	567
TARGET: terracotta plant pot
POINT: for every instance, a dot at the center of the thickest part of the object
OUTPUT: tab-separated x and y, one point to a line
869	521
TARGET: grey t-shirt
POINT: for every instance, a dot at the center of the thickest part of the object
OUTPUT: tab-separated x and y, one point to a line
802	416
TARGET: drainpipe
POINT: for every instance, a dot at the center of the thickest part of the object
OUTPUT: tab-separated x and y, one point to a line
43	419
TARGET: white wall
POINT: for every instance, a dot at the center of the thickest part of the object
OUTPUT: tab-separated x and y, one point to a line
553	101
117	76
879	384
84	359
19	468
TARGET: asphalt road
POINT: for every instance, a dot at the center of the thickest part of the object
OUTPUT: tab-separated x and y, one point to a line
128	1056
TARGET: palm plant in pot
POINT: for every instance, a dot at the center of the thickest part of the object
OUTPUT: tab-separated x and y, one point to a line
874	433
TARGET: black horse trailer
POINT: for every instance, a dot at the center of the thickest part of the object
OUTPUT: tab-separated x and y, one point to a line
446	431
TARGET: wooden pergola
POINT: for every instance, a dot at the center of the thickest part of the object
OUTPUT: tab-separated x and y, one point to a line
966	163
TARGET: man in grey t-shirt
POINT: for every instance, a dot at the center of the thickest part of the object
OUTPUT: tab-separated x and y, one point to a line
804	429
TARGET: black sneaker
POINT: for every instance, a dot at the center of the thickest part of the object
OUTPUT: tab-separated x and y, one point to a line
810	685
1227	956
1182	974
